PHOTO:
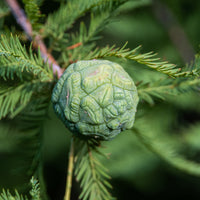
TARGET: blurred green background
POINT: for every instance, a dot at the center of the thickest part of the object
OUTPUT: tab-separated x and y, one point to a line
170	28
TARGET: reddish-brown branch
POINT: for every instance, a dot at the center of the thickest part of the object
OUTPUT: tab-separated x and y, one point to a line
38	42
74	46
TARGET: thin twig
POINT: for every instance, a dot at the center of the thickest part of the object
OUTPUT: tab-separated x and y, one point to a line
70	171
74	46
37	42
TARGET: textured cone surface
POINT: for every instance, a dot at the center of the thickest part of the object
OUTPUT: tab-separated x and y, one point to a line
95	98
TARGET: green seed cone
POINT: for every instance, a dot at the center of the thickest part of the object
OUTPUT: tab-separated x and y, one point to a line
95	98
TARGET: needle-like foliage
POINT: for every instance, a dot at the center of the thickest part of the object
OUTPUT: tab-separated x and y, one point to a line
14	59
168	152
88	34
165	89
8	196
91	174
14	99
26	131
27	74
76	45
148	59
68	13
35	193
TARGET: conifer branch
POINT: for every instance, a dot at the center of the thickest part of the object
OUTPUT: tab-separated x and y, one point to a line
148	59
37	42
35	192
15	99
15	59
6	195
166	88
91	174
69	12
168	153
88	36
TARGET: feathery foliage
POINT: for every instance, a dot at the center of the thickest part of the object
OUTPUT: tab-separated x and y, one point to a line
87	35
8	196
68	13
76	45
35	193
15	99
29	146
31	70
147	59
167	152
14	59
99	18
164	89
91	174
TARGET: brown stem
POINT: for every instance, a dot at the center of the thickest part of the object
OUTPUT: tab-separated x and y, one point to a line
37	42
